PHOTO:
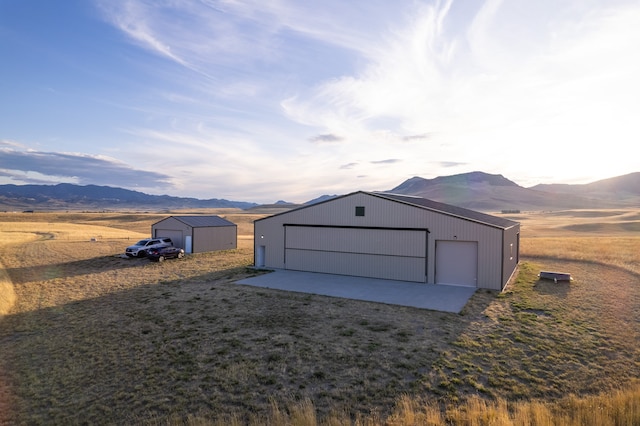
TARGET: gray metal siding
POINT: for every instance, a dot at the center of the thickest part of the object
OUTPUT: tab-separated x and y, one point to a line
390	242
511	253
214	238
472	215
380	253
357	264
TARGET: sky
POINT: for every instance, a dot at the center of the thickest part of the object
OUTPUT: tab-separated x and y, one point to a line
265	100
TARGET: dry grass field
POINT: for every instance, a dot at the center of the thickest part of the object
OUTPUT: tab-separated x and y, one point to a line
87	336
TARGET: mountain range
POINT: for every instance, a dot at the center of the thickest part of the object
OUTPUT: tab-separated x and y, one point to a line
489	192
93	197
475	190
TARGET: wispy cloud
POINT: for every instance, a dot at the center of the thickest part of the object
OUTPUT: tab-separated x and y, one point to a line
348	166
206	36
387	161
402	77
328	138
449	164
136	20
10	143
420	137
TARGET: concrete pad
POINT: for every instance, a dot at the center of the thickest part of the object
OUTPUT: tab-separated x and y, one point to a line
436	297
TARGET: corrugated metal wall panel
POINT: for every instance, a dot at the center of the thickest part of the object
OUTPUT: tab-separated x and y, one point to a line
214	238
381	253
358	240
361	265
511	254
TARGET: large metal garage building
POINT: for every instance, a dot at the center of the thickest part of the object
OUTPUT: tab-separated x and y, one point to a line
197	234
390	236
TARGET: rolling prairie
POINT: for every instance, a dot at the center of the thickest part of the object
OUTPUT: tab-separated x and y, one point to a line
88	336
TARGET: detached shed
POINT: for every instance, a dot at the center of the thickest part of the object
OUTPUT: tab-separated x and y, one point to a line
197	234
391	236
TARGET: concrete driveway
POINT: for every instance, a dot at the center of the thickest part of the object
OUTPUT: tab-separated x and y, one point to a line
436	297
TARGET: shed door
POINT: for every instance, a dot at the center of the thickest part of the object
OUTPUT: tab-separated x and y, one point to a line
457	263
393	254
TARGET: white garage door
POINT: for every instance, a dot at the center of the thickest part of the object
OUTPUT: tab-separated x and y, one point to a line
395	254
457	262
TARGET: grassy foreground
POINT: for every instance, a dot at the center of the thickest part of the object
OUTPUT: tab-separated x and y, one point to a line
620	407
95	338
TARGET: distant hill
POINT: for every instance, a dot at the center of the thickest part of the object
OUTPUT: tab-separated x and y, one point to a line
94	197
624	187
489	192
465	179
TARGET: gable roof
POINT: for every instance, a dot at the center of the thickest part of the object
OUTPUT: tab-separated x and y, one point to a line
424	203
475	216
202	221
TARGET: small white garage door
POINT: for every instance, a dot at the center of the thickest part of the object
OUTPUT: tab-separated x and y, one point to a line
393	254
457	263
